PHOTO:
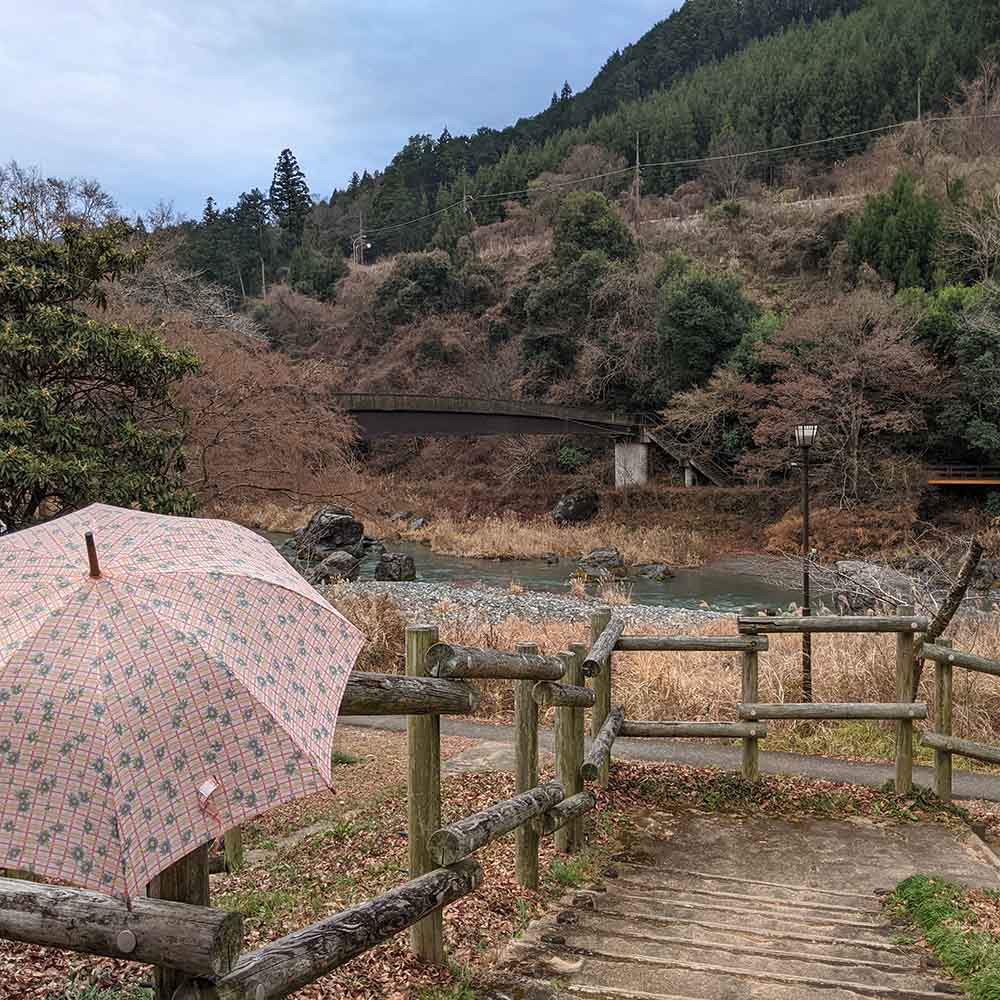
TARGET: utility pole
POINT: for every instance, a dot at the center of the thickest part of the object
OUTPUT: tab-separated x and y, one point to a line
359	240
636	187
920	100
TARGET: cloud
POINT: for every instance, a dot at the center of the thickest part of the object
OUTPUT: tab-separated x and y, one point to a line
181	99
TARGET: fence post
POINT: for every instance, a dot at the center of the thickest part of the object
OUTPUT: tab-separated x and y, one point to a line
526	771
904	693
423	794
579	651
185	881
751	750
568	760
602	687
942	721
233	849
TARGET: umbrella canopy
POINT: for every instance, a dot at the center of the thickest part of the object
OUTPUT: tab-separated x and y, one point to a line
193	684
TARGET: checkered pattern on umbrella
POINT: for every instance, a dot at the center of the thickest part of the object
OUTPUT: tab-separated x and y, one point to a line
199	656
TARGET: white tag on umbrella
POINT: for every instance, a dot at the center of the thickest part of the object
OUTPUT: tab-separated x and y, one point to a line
206	790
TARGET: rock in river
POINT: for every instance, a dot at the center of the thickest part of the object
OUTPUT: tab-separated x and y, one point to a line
395	566
602	563
576	507
336	566
654	571
329	530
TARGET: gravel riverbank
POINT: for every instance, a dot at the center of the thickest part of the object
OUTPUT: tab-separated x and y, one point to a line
442	600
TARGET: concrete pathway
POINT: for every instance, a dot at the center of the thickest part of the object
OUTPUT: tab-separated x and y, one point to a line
728	908
708	753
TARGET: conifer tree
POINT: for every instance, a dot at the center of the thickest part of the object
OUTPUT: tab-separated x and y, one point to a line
289	197
567	92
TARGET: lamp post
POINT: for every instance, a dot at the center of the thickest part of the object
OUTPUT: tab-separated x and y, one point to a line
805	438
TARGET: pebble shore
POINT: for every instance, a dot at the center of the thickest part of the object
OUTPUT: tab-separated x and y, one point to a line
442	600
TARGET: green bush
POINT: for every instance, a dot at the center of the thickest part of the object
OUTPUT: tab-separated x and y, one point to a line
571	458
992	504
897	234
587	222
315	274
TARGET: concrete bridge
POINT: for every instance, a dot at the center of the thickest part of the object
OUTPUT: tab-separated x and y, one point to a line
381	415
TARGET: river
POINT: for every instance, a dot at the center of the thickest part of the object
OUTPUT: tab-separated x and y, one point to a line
726	585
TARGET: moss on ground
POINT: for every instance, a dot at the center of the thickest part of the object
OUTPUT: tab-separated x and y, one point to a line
961	927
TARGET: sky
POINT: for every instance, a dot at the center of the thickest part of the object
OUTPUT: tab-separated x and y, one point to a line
181	99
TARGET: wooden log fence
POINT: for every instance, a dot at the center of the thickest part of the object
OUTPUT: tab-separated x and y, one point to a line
793	624
601	684
300	958
458	840
197	940
888	711
596	761
491	664
692	730
567	811
195	949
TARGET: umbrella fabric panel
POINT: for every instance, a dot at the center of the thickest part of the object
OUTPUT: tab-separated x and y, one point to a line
295	658
112	753
57	801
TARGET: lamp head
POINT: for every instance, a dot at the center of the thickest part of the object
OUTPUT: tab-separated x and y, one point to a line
805	435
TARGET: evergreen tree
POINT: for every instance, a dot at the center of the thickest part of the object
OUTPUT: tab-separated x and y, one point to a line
566	93
289	197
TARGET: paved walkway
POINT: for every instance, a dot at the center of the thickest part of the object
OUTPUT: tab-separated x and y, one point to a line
708	753
728	908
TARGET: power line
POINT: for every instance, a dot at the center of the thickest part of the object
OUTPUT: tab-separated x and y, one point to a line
682	164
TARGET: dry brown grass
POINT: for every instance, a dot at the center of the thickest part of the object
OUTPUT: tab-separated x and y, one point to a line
512	537
706	686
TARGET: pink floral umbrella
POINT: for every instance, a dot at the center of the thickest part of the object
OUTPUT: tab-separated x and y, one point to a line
181	680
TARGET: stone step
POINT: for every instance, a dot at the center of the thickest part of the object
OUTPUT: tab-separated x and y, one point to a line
678	889
635	948
725	911
624	975
724	936
657	876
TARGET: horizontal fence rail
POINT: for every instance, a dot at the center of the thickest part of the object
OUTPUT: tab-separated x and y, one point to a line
964	748
600	750
567	811
690	644
597	659
458	840
692	730
195	939
549	693
393	694
832	710
969	661
798	625
491	664
294	961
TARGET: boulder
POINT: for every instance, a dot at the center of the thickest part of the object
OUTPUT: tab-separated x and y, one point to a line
395	566
603	563
329	530
861	587
336	566
654	571
419	522
401	515
576	507
551	558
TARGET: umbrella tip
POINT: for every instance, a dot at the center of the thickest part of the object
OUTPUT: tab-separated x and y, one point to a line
95	568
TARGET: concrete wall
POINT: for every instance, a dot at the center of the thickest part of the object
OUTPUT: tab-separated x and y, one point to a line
631	464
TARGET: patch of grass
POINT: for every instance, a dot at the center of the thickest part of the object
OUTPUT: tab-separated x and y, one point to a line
951	929
570	871
261	907
90	992
340	759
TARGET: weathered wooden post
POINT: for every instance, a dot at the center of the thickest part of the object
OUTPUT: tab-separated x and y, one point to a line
423	794
751	751
942	721
185	881
233	849
569	752
905	664
602	685
526	770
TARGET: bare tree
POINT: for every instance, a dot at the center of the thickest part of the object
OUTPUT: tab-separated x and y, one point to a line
727	166
34	205
972	242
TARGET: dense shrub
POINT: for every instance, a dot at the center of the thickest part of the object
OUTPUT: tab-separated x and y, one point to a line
315	274
897	233
587	222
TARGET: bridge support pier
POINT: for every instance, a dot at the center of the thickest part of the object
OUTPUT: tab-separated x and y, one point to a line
690	476
631	464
